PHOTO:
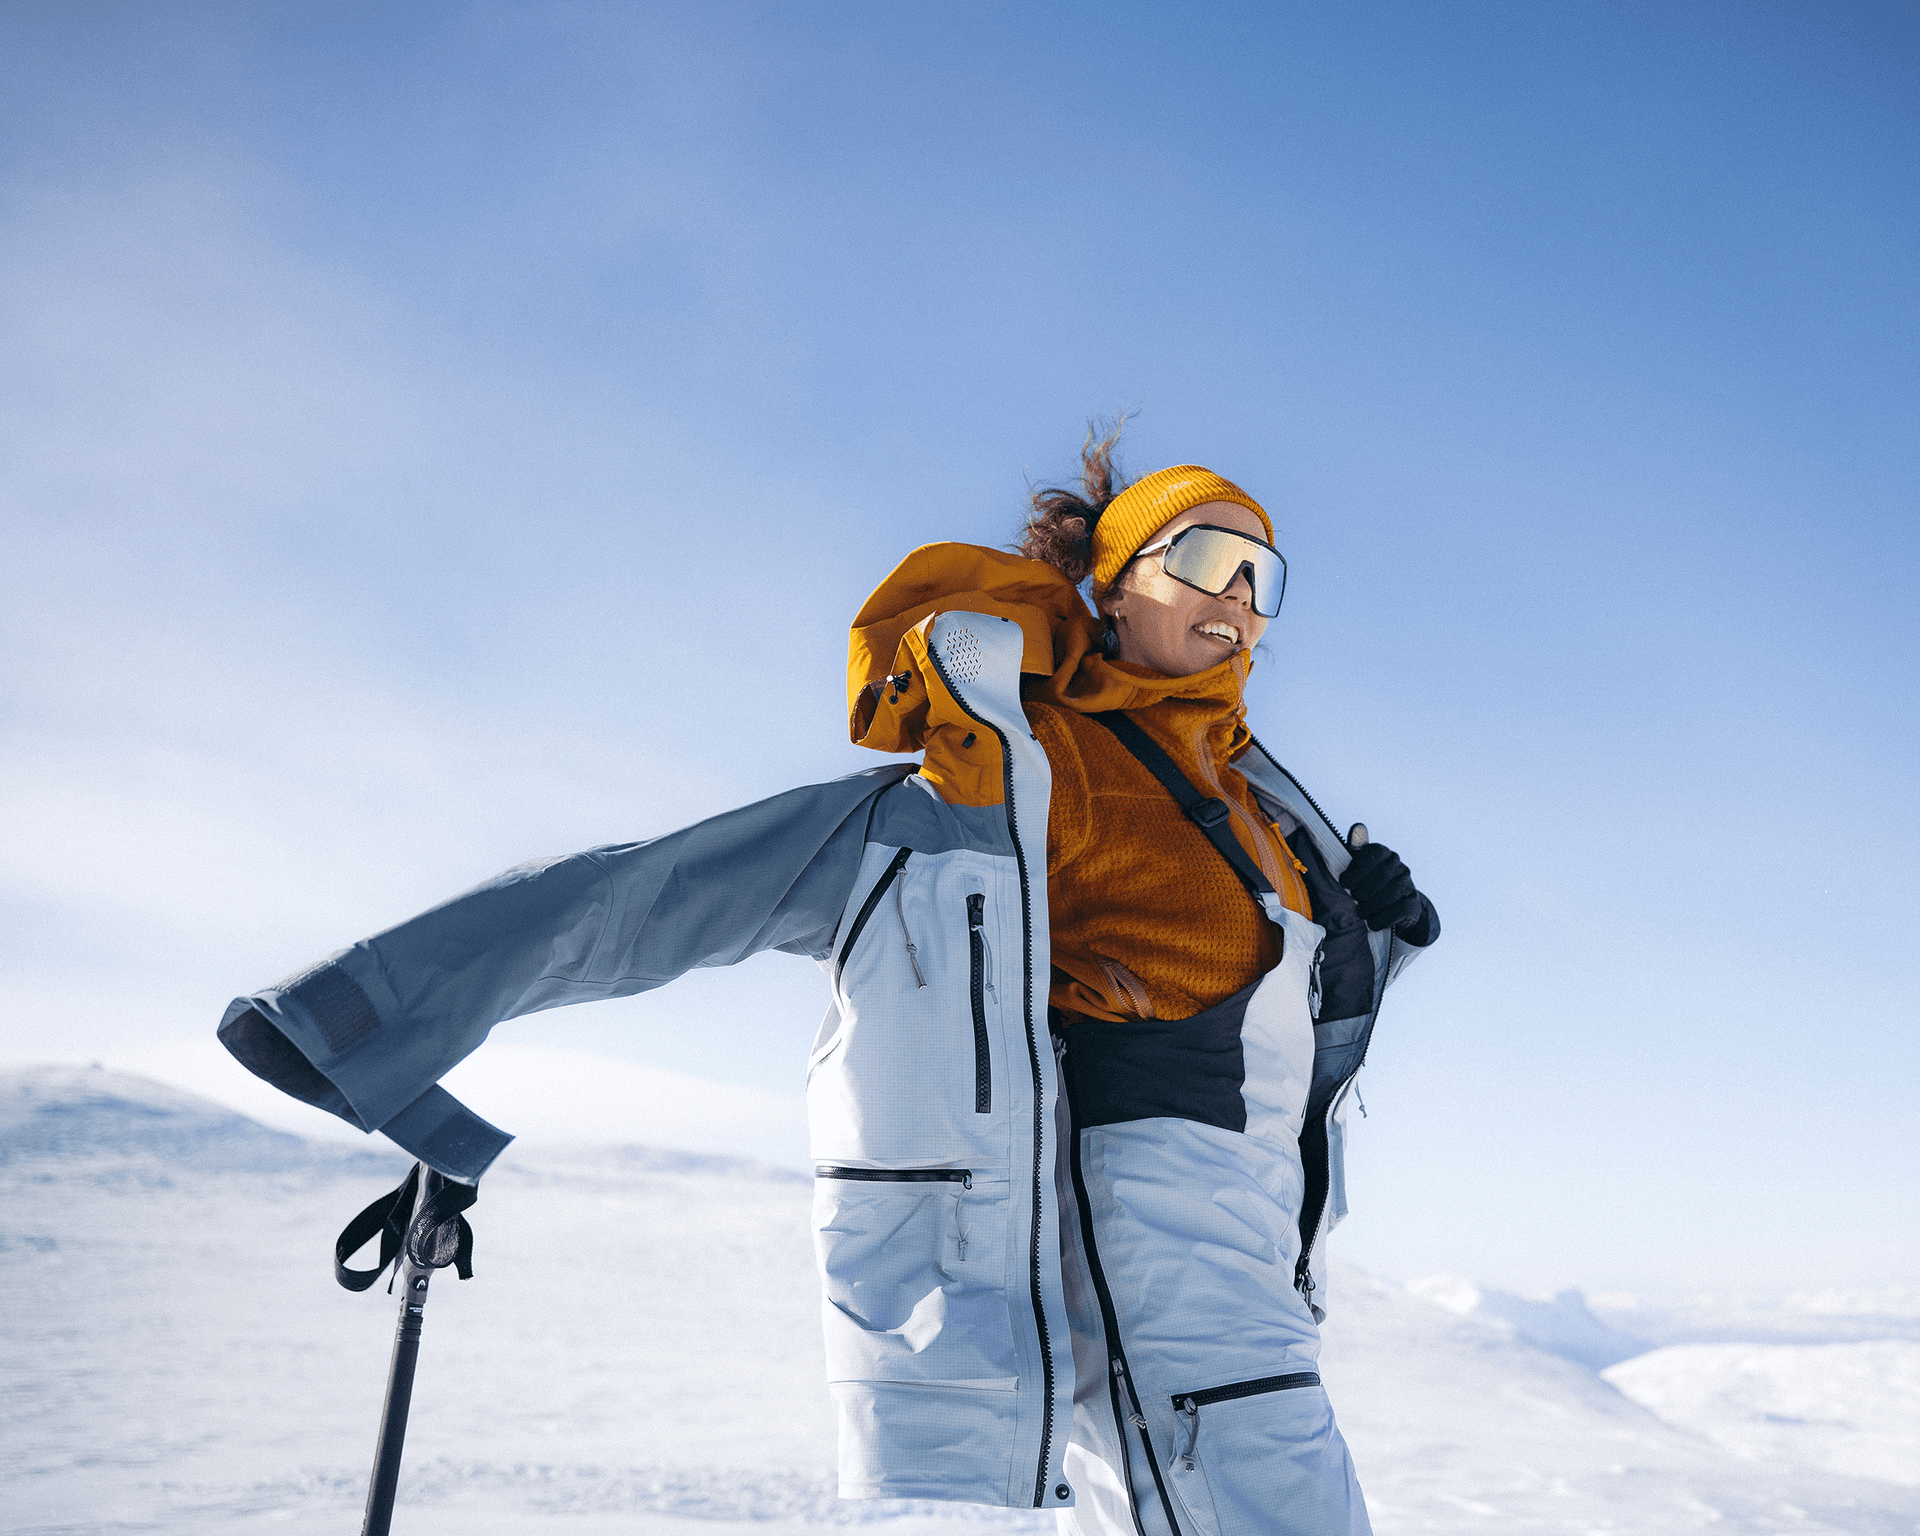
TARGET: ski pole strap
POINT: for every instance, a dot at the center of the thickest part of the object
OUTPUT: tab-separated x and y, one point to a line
440	1235
435	1237
387	1216
1210	814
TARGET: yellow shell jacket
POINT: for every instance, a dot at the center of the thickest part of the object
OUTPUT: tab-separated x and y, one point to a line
1147	920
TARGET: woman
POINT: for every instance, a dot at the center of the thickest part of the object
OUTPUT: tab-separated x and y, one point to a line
1101	1302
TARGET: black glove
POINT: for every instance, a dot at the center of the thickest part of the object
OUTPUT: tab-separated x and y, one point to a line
1346	958
1383	890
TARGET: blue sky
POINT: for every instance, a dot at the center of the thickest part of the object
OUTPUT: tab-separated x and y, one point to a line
443	434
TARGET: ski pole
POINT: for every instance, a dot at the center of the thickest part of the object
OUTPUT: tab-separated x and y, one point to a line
385	1482
421	1230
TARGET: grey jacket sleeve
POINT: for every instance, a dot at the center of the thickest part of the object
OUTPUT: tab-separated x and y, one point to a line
368	1032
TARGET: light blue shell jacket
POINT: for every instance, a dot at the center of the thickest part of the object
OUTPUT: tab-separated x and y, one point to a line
933	1088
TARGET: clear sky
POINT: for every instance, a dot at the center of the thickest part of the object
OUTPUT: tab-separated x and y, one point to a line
436	435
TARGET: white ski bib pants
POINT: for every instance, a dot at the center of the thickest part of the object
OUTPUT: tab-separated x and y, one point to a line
1198	1409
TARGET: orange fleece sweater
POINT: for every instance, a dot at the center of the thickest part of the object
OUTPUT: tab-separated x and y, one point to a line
1148	920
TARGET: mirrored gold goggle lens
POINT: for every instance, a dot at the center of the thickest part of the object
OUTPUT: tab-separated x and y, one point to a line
1211	558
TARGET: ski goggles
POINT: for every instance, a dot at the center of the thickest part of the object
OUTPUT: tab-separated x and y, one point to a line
1210	559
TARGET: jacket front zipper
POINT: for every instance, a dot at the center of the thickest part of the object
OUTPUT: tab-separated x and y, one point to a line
1313	1203
977	985
1041	1173
1325	820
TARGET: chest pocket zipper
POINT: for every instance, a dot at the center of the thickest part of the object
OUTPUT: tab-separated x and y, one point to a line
887	877
979	983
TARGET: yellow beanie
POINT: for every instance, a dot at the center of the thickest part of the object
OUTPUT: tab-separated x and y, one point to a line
1133	515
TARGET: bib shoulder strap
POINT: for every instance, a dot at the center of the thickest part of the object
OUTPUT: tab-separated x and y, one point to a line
1207	812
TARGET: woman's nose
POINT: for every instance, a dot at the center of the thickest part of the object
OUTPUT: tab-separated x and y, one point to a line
1241	591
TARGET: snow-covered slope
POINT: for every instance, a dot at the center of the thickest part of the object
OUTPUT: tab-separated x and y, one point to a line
639	1350
1853	1409
64	1113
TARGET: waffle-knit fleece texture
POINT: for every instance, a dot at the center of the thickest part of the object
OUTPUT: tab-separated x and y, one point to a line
1131	882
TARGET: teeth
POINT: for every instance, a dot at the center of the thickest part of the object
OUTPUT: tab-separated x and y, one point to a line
1221	631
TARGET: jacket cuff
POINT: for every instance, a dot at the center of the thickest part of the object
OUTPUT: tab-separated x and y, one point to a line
447	1136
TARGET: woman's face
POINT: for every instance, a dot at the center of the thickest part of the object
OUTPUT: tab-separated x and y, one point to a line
1169	626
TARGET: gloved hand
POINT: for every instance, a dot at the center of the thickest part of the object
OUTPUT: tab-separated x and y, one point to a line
1383	889
1346	958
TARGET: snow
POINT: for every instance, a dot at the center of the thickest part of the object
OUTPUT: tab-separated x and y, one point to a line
1828	1315
1853	1409
1561	1324
536	1092
639	1351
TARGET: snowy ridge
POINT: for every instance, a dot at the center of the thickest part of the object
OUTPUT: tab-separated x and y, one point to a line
1562	1324
1831	1315
639	1352
64	1113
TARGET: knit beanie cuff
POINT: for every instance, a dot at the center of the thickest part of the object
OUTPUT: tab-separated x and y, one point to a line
1131	517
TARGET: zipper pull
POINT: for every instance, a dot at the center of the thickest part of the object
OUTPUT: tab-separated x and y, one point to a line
1189	1410
977	920
1360	1101
913	952
1135	1418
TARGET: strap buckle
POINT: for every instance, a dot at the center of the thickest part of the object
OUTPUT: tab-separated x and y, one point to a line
1210	813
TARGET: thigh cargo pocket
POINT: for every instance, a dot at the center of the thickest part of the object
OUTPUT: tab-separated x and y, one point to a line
1254	1457
913	1262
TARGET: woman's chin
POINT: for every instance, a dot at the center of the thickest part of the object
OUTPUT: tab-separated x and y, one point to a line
1208	656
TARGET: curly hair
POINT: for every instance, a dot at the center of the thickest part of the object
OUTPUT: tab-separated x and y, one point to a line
1059	530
